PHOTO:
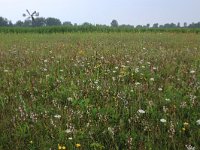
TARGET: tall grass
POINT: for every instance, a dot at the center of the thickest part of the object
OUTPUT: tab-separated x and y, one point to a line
100	91
67	29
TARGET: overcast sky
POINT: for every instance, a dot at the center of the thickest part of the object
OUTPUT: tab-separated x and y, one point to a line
103	11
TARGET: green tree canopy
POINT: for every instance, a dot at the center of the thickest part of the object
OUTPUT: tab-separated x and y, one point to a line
114	23
53	22
3	21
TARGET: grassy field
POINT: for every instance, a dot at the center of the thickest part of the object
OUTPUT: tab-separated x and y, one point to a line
112	91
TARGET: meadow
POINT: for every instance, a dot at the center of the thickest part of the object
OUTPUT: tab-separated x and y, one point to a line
112	91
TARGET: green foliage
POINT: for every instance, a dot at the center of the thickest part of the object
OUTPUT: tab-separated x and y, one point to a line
90	28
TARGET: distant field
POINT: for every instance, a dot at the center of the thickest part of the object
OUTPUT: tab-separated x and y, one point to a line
112	91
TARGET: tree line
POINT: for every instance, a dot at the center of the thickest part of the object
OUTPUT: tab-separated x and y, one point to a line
50	21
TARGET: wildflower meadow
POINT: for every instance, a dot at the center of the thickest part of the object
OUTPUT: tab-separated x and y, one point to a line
96	91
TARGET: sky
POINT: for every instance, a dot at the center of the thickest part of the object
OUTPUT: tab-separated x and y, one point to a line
132	12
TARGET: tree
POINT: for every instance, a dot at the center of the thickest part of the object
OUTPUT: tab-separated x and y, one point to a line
19	23
3	21
10	24
139	26
86	24
185	25
178	25
53	22
67	23
27	23
155	25
114	23
39	22
148	25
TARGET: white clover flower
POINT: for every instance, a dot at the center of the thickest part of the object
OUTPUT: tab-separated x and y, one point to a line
160	89
102	57
57	116
137	83
70	99
141	111
98	88
190	147
68	131
151	79
96	82
163	120
198	122
155	68
192	71
113	78
123	66
136	70
45	61
111	130
70	138
45	69
167	99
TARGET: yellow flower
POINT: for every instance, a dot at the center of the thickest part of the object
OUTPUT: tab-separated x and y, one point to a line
59	147
78	145
63	147
183	129
185	124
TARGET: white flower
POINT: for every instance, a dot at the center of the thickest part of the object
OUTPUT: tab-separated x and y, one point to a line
116	68
57	116
111	130
68	131
163	120
136	70
190	147
45	61
123	66
154	68
70	99
5	70
151	79
45	69
70	138
141	111
198	122
96	82
192	71
160	89
137	83
167	99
